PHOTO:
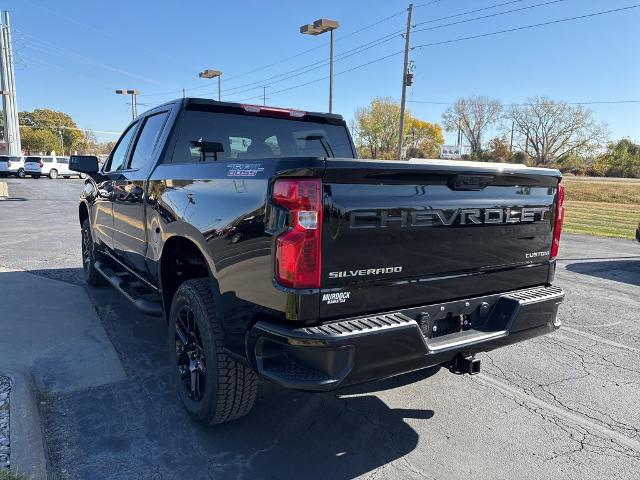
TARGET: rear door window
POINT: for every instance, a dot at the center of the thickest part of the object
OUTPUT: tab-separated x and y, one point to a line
143	151
210	136
32	160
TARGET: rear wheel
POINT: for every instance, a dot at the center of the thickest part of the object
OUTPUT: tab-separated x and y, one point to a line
21	173
212	386
53	174
35	176
91	275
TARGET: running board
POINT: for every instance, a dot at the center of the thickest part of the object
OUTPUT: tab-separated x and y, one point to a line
135	291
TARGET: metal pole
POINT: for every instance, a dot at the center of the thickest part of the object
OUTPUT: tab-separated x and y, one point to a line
5	87
219	80
183	93
511	144
403	101
134	107
12	85
331	73
61	139
264	94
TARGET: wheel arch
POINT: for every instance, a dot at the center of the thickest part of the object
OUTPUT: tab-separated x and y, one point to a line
181	259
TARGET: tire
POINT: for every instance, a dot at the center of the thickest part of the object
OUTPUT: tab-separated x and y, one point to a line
21	173
35	176
66	176
227	389
91	275
53	174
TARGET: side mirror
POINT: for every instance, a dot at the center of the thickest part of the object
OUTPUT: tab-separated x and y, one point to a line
84	163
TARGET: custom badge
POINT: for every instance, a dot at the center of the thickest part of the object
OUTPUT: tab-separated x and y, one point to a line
244	169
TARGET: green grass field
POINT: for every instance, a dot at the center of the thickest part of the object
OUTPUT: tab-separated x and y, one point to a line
606	209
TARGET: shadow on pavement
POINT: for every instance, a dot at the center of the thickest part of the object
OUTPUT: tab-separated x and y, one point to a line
138	429
69	275
626	271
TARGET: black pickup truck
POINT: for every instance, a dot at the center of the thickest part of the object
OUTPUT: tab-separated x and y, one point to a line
272	251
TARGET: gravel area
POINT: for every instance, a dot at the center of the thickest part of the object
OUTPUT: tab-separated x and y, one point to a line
5	388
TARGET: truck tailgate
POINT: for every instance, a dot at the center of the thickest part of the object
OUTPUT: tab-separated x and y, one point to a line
397	234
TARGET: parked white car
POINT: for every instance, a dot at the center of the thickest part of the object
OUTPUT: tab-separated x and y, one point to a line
11	166
55	167
33	166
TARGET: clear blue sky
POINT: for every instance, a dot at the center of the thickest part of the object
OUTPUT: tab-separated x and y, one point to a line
72	54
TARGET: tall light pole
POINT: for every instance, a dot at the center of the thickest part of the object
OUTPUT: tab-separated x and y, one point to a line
316	28
134	103
208	73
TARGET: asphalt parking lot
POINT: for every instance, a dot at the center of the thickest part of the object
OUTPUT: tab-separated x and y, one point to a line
561	406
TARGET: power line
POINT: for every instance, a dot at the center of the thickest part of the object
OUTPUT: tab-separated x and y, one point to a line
595	102
85	130
525	27
469	12
483	17
460	39
286	59
374	43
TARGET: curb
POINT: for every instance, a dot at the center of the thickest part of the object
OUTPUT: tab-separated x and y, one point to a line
26	440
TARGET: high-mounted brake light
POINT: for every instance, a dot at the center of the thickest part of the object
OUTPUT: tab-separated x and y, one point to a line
298	250
557	227
283	112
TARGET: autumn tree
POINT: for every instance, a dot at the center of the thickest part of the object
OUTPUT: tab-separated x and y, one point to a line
548	130
622	159
377	132
58	125
472	115
498	150
422	139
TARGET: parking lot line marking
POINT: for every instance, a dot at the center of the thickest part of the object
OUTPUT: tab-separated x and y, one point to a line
514	394
597	338
4	189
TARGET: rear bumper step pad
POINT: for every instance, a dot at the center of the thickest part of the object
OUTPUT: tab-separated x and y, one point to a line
355	350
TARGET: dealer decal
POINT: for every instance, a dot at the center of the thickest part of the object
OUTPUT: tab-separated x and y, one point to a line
339	297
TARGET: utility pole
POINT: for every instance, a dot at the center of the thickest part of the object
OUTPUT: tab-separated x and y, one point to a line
61	139
9	103
405	79
511	144
264	95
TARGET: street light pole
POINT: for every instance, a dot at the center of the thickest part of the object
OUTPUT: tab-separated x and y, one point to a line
208	73
134	101
316	28
331	73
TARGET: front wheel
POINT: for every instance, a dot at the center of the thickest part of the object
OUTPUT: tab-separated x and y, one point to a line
21	173
53	174
91	275
212	386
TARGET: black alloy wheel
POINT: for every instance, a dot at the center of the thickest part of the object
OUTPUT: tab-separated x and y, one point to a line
190	357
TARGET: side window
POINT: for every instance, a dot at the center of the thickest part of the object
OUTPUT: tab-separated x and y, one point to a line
119	153
151	130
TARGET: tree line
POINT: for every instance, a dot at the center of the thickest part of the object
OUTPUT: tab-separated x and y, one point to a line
539	132
43	131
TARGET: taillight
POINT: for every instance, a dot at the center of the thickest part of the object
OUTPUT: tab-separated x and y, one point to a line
557	227
298	250
41	164
8	164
